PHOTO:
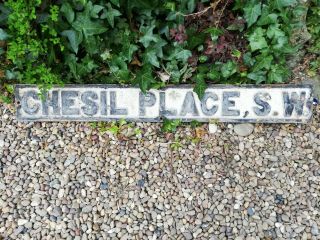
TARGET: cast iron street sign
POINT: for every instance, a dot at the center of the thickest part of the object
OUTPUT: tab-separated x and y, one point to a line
248	103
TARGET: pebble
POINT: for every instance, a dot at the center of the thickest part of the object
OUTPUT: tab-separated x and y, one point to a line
22	222
314	230
213	128
68	180
244	129
87	209
250	211
2	186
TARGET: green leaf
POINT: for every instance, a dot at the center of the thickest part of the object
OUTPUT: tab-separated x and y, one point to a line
67	11
257	39
252	12
267	17
83	23
195	38
128	50
248	59
280	4
214	32
144	77
115	2
275	32
191	6
148	35
170	125
110	14
278	74
228	69
214	74
263	62
150	56
200	86
75	39
80	69
96	9
258	77
158	46
3	35
180	54
86	66
282	43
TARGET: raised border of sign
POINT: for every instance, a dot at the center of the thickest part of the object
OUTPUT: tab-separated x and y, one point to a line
160	119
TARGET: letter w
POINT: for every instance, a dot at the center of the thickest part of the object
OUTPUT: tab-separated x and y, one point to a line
296	103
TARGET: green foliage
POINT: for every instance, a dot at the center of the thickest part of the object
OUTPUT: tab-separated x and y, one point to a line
176	144
26	47
314	29
170	125
149	43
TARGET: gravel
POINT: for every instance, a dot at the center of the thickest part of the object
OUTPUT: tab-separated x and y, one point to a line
70	181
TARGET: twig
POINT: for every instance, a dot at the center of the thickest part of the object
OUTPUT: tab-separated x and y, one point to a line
212	6
222	10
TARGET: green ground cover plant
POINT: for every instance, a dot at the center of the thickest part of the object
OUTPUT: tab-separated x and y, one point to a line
313	24
150	43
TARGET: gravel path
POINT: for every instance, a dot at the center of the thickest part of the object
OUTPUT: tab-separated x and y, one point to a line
70	181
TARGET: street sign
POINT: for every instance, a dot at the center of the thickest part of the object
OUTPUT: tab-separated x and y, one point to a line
224	103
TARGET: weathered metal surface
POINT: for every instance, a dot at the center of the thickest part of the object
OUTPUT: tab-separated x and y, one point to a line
248	103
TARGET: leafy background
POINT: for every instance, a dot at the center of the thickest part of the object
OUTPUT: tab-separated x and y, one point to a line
152	43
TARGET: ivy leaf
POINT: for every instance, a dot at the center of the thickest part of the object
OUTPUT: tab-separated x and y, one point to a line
248	59
180	54
3	35
280	4
282	42
267	17
80	69
275	32
158	45
195	38
67	11
96	9
257	40
214	74
110	14
228	69
84	24
258	76
144	78
86	66
214	33
4	13
263	62
191	6
200	86
252	12
115	2
278	74
75	38
148	35
150	56
128	50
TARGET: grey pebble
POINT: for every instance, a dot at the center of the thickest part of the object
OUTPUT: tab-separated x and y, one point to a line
314	230
244	129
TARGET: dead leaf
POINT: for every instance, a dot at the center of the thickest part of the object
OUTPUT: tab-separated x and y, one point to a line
200	132
136	61
163	76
